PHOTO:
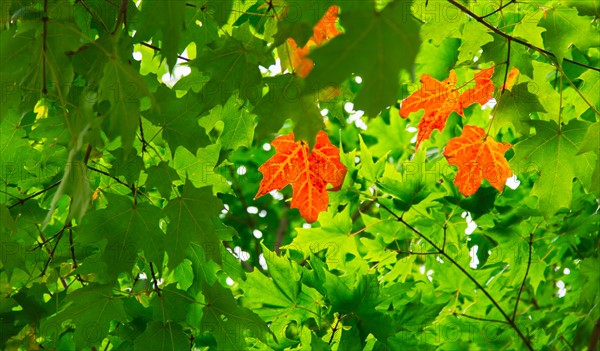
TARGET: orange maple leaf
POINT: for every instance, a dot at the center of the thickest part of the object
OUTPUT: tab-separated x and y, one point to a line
299	58
511	79
478	157
439	99
483	90
323	31
307	172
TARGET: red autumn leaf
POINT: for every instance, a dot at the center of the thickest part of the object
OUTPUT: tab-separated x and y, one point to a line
439	99
323	31
308	173
478	157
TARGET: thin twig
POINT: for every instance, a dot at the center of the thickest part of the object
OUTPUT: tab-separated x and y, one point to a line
21	201
156	288
122	17
503	86
108	175
595	336
44	40
499	9
479	318
333	330
516	40
94	15
526	271
419	253
51	254
465	272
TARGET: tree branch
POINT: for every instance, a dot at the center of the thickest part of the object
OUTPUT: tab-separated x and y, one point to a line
479	318
465	272
516	40
94	16
44	40
51	257
155	282
499	9
122	16
333	330
21	201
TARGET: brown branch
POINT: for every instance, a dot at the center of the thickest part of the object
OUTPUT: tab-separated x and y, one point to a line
526	273
333	330
51	254
499	9
44	40
21	201
479	318
122	16
155	282
465	272
595	336
510	37
94	15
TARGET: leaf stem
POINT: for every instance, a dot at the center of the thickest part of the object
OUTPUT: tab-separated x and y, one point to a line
526	270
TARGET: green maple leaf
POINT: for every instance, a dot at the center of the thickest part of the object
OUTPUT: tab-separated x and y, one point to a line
199	169
564	28
92	307
515	107
123	87
590	87
172	305
553	152
376	46
474	37
357	295
283	101
191	221
227	321
178	118
164	21
333	235
232	64
238	129
162	336
161	177
125	227
283	298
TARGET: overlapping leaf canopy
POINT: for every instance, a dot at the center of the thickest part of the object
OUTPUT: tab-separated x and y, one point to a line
132	133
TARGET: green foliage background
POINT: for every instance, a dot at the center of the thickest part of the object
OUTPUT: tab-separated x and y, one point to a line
127	214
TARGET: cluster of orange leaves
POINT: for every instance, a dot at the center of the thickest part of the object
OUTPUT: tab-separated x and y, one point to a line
477	155
323	31
307	171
